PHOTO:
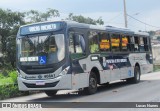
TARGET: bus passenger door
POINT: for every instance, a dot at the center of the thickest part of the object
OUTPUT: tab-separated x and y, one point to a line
77	49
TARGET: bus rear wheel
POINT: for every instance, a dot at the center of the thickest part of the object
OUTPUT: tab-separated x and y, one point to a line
51	93
136	78
92	88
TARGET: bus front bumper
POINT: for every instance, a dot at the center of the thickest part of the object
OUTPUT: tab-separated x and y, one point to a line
59	83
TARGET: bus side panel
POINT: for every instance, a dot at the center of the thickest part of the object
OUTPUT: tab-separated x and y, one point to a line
105	76
141	59
118	65
146	68
110	68
80	80
127	72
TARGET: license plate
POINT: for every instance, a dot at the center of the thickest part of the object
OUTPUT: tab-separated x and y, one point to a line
40	83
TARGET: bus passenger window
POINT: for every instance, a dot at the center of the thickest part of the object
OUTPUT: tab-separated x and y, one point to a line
131	38
125	43
141	44
146	43
136	46
104	42
93	42
115	41
77	45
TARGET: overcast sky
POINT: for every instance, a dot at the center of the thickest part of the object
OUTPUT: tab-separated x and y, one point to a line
111	11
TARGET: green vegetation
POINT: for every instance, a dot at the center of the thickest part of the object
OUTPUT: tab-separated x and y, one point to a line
156	68
6	81
8	78
82	19
8	85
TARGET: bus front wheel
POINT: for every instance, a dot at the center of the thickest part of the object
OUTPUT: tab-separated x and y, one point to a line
51	93
92	88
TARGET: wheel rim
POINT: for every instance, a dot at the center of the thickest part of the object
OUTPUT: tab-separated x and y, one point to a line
93	83
138	75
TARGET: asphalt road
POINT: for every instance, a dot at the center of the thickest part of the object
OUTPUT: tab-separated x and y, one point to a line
148	90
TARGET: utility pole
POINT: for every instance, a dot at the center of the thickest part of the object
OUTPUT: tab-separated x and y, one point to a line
125	14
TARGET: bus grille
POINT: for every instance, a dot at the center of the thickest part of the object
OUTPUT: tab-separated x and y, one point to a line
41	86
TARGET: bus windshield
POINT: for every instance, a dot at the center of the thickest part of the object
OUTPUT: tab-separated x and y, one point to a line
41	49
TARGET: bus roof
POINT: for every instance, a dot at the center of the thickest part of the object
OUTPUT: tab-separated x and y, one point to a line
119	30
97	27
142	33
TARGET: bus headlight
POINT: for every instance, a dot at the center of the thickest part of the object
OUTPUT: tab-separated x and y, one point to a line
19	74
64	72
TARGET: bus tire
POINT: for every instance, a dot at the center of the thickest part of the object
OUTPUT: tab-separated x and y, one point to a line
92	88
137	75
51	93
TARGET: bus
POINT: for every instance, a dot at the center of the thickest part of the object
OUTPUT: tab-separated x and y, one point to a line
66	55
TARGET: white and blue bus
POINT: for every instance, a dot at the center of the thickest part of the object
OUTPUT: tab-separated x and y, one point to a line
66	55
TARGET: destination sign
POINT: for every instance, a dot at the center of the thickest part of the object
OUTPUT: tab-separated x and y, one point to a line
40	28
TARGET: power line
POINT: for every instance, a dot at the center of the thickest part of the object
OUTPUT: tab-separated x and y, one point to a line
143	22
114	17
114	22
137	27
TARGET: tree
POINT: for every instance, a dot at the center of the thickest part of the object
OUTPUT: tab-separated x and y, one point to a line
9	20
33	15
100	21
36	16
9	24
82	19
11	50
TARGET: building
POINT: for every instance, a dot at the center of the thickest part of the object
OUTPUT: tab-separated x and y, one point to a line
156	54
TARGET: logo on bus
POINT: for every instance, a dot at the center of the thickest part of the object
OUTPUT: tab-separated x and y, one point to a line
49	76
39	76
42	59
